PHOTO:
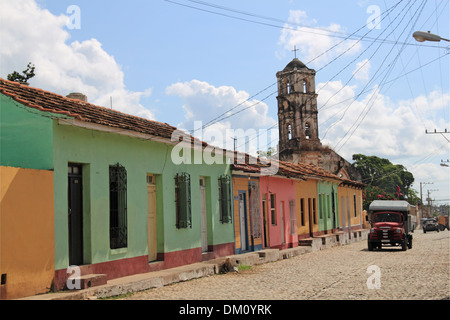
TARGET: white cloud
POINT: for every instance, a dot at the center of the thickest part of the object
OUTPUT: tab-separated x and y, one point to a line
391	130
31	34
315	42
376	125
204	102
362	70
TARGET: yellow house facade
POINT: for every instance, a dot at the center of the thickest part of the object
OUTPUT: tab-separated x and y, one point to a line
27	253
350	206
306	198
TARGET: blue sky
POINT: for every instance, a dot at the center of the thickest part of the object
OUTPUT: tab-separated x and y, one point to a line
183	61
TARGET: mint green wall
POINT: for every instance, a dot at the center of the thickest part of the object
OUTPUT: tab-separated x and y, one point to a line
324	191
25	136
97	151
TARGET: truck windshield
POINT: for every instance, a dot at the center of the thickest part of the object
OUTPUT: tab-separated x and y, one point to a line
387	217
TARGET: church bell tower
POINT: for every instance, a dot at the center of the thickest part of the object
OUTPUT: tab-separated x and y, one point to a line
297	112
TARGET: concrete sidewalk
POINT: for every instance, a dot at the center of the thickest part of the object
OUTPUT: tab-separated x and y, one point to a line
156	279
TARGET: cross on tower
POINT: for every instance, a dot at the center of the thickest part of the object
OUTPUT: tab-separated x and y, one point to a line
295	51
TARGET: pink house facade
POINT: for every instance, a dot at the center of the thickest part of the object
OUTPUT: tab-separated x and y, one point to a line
279	205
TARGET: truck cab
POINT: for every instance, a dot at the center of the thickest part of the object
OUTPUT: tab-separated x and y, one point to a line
390	224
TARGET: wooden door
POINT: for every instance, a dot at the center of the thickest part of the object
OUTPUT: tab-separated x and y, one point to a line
310	217
75	215
266	222
243	221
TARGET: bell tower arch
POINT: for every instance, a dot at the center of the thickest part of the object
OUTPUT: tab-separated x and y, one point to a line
297	111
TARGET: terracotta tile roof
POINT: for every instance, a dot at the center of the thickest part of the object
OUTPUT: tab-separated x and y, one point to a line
87	112
254	165
290	170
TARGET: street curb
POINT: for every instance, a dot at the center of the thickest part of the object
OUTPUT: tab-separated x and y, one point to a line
157	279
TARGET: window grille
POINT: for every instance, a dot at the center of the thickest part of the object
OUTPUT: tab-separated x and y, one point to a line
183	200
117	206
302	211
225	197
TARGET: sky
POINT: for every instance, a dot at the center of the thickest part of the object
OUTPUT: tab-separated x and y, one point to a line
211	66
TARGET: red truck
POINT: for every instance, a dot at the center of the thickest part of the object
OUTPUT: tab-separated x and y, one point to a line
390	224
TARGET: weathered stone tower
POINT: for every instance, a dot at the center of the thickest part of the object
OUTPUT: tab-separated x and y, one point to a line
297	111
298	123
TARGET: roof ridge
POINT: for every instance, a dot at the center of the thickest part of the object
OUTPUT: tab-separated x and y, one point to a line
89	112
79	102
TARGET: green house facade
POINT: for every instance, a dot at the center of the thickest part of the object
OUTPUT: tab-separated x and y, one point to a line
122	205
328	205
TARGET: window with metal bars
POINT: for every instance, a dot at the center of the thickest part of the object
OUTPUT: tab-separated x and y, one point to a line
225	197
117	206
183	200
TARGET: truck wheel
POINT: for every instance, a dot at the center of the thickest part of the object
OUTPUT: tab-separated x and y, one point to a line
369	246
410	243
424	231
405	244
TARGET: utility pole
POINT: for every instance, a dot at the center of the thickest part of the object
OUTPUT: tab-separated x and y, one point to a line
445	163
436	132
423	183
430	202
439	132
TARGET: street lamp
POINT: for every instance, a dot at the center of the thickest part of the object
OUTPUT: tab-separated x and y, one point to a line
422	36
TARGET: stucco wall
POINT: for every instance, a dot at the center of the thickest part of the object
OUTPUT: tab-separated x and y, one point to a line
25	136
307	190
281	235
27	255
348	216
96	151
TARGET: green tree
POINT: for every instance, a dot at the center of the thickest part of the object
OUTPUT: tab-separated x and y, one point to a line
267	154
384	180
23	79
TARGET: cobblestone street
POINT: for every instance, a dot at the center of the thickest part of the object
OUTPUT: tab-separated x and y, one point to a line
422	272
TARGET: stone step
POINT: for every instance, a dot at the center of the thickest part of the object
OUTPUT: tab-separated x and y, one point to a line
305	242
92	280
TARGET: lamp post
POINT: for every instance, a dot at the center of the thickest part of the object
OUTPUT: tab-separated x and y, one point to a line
422	36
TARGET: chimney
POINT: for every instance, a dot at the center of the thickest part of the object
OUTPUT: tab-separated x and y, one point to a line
78	96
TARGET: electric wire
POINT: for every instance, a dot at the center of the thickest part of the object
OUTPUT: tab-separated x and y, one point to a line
223	117
390	68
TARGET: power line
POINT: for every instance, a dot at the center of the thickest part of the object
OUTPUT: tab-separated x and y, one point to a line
351	62
329	33
223	117
371	81
358	121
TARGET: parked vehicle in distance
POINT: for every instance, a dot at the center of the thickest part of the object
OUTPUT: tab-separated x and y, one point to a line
430	225
391	224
